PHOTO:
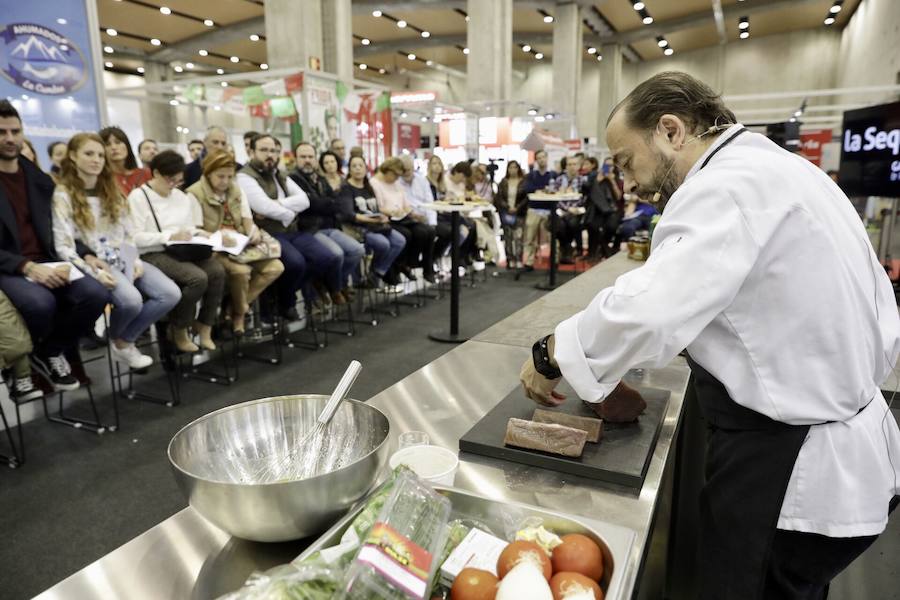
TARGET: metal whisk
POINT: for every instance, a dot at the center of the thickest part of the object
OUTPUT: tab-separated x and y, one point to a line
307	452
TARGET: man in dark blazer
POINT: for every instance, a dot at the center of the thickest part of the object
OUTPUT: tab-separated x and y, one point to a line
56	310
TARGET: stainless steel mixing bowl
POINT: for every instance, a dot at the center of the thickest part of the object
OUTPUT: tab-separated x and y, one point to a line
215	457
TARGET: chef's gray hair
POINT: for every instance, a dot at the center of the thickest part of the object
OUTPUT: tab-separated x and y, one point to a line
676	93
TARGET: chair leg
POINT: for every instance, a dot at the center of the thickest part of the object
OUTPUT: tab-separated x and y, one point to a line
16	459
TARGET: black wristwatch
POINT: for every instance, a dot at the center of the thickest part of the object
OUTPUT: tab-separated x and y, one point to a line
540	354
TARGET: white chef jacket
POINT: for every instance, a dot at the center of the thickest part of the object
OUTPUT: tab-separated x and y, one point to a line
761	268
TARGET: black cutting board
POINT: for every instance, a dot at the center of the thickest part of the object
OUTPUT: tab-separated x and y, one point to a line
622	455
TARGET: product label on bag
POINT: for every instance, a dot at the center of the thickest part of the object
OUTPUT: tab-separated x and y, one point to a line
400	561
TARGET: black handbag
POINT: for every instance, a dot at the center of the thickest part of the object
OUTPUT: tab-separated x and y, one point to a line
185	252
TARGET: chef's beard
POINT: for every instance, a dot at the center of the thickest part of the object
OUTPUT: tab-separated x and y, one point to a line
664	180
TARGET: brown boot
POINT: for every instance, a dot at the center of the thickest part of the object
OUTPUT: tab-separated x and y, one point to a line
338	298
182	340
205	334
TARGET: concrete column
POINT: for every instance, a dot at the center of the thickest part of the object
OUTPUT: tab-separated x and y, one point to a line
337	38
293	32
611	91
567	57
157	118
490	50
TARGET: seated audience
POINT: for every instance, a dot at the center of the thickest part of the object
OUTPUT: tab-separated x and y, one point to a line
216	139
57	310
339	149
89	208
537	217
455	189
122	163
57	152
329	163
603	214
392	201
570	224
195	149
275	201
365	223
225	208
638	217
15	346
29	153
323	220
483	189
147	149
162	214
511	204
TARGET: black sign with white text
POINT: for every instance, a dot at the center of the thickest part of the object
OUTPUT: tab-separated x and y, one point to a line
870	151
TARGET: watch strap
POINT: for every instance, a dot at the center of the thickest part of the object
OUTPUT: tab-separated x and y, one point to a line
540	353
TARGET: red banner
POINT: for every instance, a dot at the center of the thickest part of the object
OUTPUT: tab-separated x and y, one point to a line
408	137
811	143
293	83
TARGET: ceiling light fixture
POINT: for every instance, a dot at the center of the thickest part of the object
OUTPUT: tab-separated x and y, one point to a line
382	71
744	23
108	49
403	115
108	65
539	55
526	48
465	51
425	119
234	59
745	34
365	41
668	52
647	20
155	42
208	22
220	72
549	116
532	112
548	19
429	63
798	113
141	70
254	37
599	57
165	10
376	13
835	9
179	69
264	66
112	32
61	21
203	52
224	84
411	56
426	34
174	102
661	42
401	24
829	21
638	6
592	50
189	65
363	66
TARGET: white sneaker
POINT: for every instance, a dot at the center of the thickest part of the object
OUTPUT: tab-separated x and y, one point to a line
24	390
131	356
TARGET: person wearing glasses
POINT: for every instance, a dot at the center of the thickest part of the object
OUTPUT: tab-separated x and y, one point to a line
162	213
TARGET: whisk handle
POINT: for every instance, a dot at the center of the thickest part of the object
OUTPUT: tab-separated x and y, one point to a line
341	391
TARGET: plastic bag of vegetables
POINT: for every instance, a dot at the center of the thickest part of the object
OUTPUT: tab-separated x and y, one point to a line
289	582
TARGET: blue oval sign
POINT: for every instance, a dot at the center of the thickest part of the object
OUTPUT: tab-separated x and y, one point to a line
41	60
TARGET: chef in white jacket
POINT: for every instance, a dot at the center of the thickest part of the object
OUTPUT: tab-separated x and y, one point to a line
762	271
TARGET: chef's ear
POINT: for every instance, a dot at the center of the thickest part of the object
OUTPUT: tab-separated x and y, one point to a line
672	128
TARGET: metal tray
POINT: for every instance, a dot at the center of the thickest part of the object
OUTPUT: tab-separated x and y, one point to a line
615	541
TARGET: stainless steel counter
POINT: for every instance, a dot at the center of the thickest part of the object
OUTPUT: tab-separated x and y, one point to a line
187	557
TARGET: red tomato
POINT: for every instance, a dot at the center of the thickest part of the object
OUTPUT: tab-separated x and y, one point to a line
521	550
474	584
578	554
564	585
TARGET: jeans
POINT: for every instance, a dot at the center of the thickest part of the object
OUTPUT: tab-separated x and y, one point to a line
385	247
304	258
56	318
132	314
349	250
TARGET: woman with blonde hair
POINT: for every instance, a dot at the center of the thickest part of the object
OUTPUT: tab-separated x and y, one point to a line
225	208
91	215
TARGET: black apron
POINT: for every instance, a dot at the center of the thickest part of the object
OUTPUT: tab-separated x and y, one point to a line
749	461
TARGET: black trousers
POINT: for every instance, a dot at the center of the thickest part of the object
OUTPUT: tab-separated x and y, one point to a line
803	564
568	229
419	249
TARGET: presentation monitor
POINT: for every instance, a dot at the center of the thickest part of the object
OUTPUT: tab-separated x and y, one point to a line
870	151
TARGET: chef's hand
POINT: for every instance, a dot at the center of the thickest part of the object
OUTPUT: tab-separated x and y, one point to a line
624	405
539	388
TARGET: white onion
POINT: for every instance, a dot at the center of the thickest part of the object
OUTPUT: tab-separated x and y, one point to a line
524	582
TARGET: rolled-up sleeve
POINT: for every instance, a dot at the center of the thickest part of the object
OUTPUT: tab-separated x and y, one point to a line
702	251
